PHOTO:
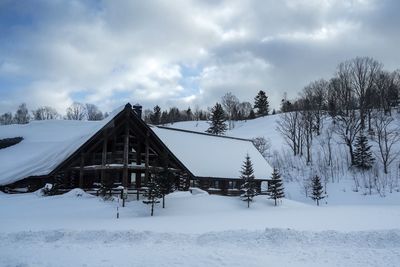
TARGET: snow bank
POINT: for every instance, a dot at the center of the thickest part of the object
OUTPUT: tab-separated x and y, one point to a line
197	191
279	247
77	192
179	194
270	236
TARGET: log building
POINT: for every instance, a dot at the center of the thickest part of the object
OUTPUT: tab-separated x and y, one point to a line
122	150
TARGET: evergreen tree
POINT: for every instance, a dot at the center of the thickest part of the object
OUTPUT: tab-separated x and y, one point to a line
275	188
153	193
164	117
174	115
286	106
155	118
189	114
217	120
261	103
363	158
317	192
165	179
248	186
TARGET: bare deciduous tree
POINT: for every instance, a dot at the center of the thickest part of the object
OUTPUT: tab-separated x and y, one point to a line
387	89
341	84
93	113
21	116
77	111
387	135
288	127
45	113
6	118
262	145
244	110
363	71
347	128
315	95
230	103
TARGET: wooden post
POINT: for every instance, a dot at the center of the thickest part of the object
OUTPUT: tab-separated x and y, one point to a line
81	171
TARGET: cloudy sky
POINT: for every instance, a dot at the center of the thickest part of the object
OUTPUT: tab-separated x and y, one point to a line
182	52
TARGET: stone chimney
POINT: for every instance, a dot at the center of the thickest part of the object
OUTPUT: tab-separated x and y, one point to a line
138	110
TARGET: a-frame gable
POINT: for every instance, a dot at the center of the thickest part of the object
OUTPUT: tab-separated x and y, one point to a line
126	145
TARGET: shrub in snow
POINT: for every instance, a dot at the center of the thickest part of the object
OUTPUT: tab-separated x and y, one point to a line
275	187
248	186
77	192
317	192
106	188
49	190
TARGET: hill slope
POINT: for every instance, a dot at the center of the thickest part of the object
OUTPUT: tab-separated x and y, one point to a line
344	185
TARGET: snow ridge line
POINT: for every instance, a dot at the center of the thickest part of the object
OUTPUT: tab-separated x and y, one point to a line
277	237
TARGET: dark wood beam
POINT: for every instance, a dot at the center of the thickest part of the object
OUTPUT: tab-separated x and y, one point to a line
104	157
147	157
126	155
81	171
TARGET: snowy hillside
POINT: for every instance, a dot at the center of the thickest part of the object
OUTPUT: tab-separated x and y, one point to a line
264	126
339	180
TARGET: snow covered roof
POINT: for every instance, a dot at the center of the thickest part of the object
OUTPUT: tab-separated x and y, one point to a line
208	155
46	144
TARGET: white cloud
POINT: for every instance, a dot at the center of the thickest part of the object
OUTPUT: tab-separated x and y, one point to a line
110	52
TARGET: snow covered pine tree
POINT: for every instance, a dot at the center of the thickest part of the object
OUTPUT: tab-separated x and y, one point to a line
248	186
275	188
363	158
317	192
153	194
217	120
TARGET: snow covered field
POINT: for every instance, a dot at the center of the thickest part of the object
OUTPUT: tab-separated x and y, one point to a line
194	230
